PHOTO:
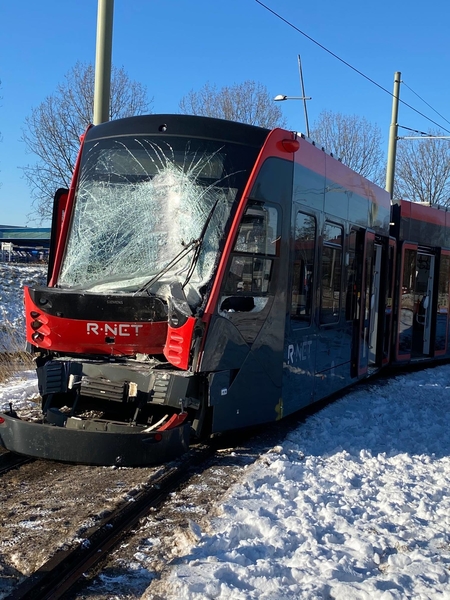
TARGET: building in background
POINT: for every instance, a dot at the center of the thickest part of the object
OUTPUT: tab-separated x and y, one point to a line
24	244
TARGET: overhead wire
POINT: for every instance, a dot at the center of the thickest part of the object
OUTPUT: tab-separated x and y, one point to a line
425	102
413	130
423	134
351	66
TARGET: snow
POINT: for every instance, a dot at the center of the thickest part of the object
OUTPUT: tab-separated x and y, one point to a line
353	505
21	390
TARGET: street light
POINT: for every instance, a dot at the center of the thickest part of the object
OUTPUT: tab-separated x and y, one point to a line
281	97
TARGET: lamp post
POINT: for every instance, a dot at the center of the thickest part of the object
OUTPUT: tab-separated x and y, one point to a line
393	136
281	98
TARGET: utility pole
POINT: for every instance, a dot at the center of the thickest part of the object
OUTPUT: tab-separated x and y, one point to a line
282	97
303	94
102	91
393	136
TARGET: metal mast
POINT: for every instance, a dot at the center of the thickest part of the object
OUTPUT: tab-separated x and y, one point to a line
393	136
102	91
304	98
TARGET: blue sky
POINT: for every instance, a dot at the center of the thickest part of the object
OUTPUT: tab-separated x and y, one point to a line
173	46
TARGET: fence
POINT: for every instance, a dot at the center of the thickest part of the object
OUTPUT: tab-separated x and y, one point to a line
23	254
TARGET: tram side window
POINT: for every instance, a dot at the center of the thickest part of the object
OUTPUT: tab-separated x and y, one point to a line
303	272
330	298
256	247
258	231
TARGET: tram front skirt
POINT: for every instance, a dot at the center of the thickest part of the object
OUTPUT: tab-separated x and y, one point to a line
93	442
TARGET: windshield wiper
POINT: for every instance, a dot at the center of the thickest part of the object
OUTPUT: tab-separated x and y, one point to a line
199	243
186	249
193	244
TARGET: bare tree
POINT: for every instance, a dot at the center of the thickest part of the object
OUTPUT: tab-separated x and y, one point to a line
422	171
53	129
354	140
248	102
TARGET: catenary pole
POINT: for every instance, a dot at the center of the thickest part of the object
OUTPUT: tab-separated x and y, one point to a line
303	94
102	91
393	136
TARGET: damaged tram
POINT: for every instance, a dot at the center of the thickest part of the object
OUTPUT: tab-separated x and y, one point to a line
206	276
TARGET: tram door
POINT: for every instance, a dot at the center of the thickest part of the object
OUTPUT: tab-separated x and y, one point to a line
388	301
416	303
370	299
374	304
442	305
423	302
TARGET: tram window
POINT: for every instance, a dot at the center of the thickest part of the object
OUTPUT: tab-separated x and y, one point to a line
303	271
274	181
258	231
252	261
248	275
330	298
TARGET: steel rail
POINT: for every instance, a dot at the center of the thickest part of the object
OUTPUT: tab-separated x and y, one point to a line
61	572
10	461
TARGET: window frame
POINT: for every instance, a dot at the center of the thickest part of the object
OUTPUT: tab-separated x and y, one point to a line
303	321
239	297
336	276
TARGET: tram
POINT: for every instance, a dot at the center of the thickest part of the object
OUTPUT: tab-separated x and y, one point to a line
207	276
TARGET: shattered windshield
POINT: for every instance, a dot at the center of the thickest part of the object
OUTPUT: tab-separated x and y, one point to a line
142	202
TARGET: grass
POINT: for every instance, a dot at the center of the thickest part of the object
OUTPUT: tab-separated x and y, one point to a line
12	363
13	278
13	357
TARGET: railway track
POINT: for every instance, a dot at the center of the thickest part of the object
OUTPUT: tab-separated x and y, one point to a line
10	461
62	572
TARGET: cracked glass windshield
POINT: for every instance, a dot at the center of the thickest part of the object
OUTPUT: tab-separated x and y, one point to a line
141	204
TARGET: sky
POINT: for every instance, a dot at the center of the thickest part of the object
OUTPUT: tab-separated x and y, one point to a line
353	504
174	46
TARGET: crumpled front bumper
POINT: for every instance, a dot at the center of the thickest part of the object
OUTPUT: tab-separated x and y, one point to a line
102	448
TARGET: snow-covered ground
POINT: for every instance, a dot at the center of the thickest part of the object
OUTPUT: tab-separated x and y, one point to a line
353	505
